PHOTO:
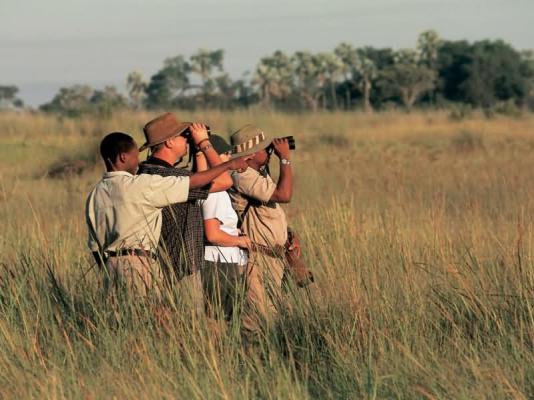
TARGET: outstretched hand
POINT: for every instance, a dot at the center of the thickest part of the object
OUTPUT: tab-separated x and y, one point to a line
239	164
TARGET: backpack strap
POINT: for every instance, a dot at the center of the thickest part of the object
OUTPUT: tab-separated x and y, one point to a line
243	215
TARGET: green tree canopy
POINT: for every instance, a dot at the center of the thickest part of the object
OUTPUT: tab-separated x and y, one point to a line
168	83
8	97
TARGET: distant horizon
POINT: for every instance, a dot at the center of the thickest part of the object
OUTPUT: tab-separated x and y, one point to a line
100	43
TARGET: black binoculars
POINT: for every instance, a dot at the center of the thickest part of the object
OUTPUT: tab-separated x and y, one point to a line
291	141
187	132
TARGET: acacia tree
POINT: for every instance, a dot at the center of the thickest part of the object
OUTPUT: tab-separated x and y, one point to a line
168	83
136	88
105	102
406	78
8	97
77	100
70	101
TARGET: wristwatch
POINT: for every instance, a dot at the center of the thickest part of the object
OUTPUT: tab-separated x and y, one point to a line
283	161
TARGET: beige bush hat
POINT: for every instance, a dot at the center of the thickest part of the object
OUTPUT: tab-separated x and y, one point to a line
248	140
162	128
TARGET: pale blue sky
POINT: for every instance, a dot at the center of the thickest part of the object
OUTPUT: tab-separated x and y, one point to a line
45	44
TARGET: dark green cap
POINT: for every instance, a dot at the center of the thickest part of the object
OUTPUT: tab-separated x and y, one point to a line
219	144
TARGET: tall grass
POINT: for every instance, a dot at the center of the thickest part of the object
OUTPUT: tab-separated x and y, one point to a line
418	228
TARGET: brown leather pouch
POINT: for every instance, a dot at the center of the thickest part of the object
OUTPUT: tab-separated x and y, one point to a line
296	268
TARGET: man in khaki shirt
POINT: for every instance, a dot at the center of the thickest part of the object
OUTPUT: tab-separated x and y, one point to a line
256	198
123	212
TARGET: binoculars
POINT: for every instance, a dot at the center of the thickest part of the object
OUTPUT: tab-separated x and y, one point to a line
187	133
291	141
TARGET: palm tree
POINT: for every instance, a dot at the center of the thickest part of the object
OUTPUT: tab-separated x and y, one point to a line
332	67
347	54
274	77
366	72
309	78
203	62
358	68
428	44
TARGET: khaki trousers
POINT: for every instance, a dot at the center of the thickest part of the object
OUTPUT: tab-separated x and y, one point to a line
263	277
189	290
140	275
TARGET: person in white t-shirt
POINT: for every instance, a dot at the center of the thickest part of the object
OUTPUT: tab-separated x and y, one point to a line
225	252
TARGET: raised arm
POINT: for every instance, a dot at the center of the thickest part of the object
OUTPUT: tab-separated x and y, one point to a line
284	187
201	139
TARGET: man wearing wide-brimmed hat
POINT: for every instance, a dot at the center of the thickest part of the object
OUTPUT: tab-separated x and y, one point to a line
182	235
123	213
256	198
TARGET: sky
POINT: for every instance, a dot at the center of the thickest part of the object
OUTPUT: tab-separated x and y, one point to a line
48	44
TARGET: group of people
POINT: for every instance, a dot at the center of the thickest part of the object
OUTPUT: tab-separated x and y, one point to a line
216	231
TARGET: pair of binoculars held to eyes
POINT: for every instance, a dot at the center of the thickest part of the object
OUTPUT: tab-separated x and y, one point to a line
290	140
188	135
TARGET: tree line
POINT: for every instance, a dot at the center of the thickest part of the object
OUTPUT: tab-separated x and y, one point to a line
436	73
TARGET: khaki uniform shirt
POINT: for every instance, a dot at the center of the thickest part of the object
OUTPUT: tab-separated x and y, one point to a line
265	222
123	211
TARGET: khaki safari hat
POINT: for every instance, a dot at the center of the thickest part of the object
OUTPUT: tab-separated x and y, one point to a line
249	140
162	128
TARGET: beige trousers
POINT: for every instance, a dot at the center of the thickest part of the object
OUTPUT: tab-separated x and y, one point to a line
263	277
140	275
190	293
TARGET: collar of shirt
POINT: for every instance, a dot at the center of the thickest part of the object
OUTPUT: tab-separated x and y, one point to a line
158	161
111	174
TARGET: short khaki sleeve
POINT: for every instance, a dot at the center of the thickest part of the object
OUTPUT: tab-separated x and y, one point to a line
162	191
89	218
252	184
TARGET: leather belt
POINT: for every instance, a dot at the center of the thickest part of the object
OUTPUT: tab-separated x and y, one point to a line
131	252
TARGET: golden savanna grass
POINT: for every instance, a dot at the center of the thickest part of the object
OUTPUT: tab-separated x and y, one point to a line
418	228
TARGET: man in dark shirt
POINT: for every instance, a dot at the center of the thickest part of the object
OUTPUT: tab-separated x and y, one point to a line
182	233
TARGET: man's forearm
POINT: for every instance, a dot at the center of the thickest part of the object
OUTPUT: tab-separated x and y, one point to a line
212	157
285	181
201	179
284	187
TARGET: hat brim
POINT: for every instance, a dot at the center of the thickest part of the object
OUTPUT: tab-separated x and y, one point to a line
181	128
260	146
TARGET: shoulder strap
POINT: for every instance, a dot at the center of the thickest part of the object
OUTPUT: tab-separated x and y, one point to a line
243	215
